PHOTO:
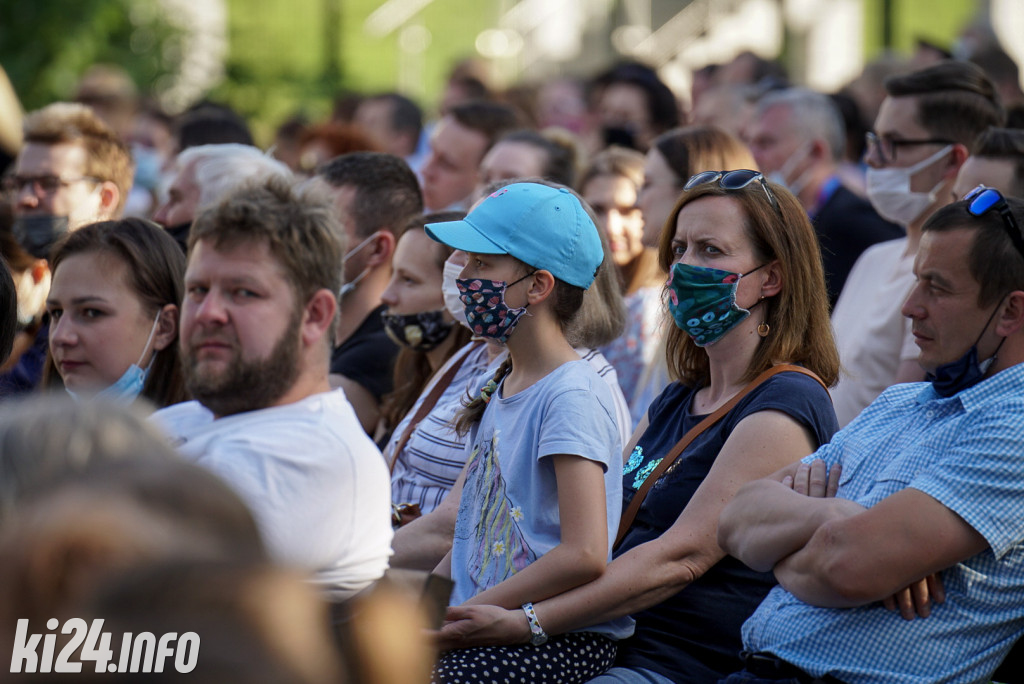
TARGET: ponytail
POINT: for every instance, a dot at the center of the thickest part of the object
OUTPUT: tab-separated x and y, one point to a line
474	408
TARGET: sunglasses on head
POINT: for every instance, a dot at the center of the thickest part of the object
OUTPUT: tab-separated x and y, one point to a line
733	180
982	200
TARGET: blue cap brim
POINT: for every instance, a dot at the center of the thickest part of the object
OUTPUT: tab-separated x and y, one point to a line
462	235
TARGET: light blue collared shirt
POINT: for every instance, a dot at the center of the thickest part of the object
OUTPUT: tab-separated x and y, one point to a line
967	452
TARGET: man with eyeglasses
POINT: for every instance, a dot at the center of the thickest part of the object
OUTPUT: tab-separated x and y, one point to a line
72	170
925	129
899	546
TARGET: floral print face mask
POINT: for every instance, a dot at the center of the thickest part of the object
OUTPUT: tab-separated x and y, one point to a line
419	331
703	301
486	311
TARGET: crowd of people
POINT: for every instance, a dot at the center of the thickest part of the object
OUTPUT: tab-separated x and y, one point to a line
569	384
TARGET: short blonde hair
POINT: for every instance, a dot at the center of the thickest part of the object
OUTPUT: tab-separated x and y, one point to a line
107	157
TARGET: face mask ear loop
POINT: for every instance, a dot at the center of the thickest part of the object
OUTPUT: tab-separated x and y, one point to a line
801	153
990	360
358	247
925	163
152	334
351	285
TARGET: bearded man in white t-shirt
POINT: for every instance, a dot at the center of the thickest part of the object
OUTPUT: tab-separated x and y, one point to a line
263	271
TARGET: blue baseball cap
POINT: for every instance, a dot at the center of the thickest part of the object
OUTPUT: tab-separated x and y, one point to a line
542	226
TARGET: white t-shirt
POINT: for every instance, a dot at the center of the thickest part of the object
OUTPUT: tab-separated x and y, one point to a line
872	335
314	481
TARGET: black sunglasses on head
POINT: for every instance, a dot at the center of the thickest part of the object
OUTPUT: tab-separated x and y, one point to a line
982	200
733	180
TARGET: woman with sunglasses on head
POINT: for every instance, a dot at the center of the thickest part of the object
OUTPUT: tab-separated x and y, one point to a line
752	350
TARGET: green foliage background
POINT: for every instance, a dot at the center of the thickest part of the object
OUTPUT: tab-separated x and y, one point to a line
45	45
277	66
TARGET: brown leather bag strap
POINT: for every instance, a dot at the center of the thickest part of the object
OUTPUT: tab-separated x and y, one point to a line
634	506
430	402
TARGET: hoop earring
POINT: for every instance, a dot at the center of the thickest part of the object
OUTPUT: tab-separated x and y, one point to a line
763	330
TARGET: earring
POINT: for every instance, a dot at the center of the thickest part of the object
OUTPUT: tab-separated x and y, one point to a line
763	330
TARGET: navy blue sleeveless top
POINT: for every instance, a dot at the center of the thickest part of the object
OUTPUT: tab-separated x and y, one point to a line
694	636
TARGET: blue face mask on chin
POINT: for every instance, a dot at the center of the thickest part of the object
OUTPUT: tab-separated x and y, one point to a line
127	387
967	371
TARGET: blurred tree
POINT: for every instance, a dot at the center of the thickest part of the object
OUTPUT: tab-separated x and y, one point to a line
45	45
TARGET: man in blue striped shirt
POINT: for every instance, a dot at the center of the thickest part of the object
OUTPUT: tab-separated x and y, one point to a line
914	570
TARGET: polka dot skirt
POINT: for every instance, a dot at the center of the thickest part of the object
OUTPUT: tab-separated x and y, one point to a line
565	659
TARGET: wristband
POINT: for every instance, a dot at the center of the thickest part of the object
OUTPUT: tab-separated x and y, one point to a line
537	634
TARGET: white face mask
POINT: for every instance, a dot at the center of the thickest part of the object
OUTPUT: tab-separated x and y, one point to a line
890	193
782	174
450	292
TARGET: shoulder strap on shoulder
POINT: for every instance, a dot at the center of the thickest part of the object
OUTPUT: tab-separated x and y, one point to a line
634	506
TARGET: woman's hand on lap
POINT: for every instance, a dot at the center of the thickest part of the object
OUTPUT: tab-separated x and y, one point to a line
479	625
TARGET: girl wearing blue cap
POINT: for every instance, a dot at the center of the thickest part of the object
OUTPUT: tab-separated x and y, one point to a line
540	503
750	310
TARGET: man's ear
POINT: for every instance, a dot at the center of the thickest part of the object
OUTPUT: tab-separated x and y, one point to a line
542	286
957	157
166	327
820	151
1011	320
383	248
318	316
110	197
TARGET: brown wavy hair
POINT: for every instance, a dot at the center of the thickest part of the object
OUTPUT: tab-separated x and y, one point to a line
801	332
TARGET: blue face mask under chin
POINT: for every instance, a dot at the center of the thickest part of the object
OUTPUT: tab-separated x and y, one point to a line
128	387
967	371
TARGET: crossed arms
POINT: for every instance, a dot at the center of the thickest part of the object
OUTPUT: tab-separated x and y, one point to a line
833	552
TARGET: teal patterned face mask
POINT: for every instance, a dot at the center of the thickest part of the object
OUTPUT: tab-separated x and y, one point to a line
703	301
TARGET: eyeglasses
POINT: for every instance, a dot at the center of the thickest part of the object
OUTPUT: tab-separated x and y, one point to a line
42	185
982	200
886	147
733	180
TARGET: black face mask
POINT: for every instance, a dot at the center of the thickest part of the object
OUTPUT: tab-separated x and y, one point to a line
180	234
419	331
37	234
622	136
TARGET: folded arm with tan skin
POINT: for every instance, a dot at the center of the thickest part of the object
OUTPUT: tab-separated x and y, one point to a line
832	552
652	572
